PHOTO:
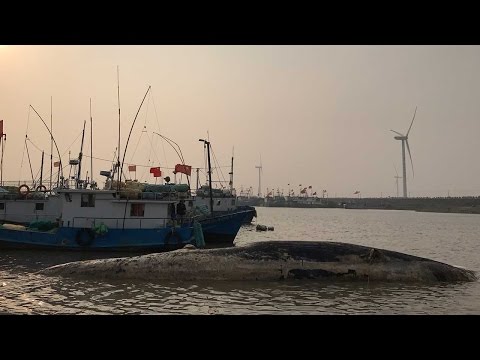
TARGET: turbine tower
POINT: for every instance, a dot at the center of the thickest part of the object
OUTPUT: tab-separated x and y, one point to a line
396	177
260	170
404	139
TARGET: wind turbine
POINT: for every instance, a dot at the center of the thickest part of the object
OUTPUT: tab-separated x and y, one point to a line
404	139
260	170
396	177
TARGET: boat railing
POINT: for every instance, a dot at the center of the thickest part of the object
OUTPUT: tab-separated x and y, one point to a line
130	223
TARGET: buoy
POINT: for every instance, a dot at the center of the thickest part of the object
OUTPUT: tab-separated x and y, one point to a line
270	228
261	227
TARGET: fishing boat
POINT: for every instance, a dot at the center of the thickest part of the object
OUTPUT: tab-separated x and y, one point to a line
246	198
94	219
224	202
215	210
222	217
102	220
113	218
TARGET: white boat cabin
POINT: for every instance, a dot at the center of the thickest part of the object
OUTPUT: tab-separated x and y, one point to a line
45	208
89	208
223	200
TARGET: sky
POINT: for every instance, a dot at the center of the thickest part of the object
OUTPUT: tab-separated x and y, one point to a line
317	116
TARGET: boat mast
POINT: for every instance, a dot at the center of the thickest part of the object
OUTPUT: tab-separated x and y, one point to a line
91	146
56	146
118	152
231	174
179	152
3	138
77	182
130	133
207	144
198	180
51	141
29	162
41	170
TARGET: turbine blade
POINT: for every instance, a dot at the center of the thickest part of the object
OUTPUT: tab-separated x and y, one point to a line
396	132
412	121
411	162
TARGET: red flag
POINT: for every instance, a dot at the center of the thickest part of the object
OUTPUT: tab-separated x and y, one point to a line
315	193
132	167
56	163
310	187
155	171
184	169
356	192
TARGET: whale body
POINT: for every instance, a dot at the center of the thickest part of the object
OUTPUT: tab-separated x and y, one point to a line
271	260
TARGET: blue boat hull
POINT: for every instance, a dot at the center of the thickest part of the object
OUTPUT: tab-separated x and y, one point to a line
223	228
86	240
251	213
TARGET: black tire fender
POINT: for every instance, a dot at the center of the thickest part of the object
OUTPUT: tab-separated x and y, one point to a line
85	237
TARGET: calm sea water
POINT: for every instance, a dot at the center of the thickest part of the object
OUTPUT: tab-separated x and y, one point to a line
451	238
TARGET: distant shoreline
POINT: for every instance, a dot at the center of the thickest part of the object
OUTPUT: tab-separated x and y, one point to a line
459	210
466	205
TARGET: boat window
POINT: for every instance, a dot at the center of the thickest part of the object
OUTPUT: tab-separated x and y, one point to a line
39	206
2	206
137	210
88	200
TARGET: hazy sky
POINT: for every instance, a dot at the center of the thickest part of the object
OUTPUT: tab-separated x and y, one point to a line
318	115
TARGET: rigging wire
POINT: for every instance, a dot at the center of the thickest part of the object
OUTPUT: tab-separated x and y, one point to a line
138	142
158	126
144	127
23	153
28	154
218	167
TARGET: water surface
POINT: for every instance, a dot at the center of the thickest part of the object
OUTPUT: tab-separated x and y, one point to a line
450	238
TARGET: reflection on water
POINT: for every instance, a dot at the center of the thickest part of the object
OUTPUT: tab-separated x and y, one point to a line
446	237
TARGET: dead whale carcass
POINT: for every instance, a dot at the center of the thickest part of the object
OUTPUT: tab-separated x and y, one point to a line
271	260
